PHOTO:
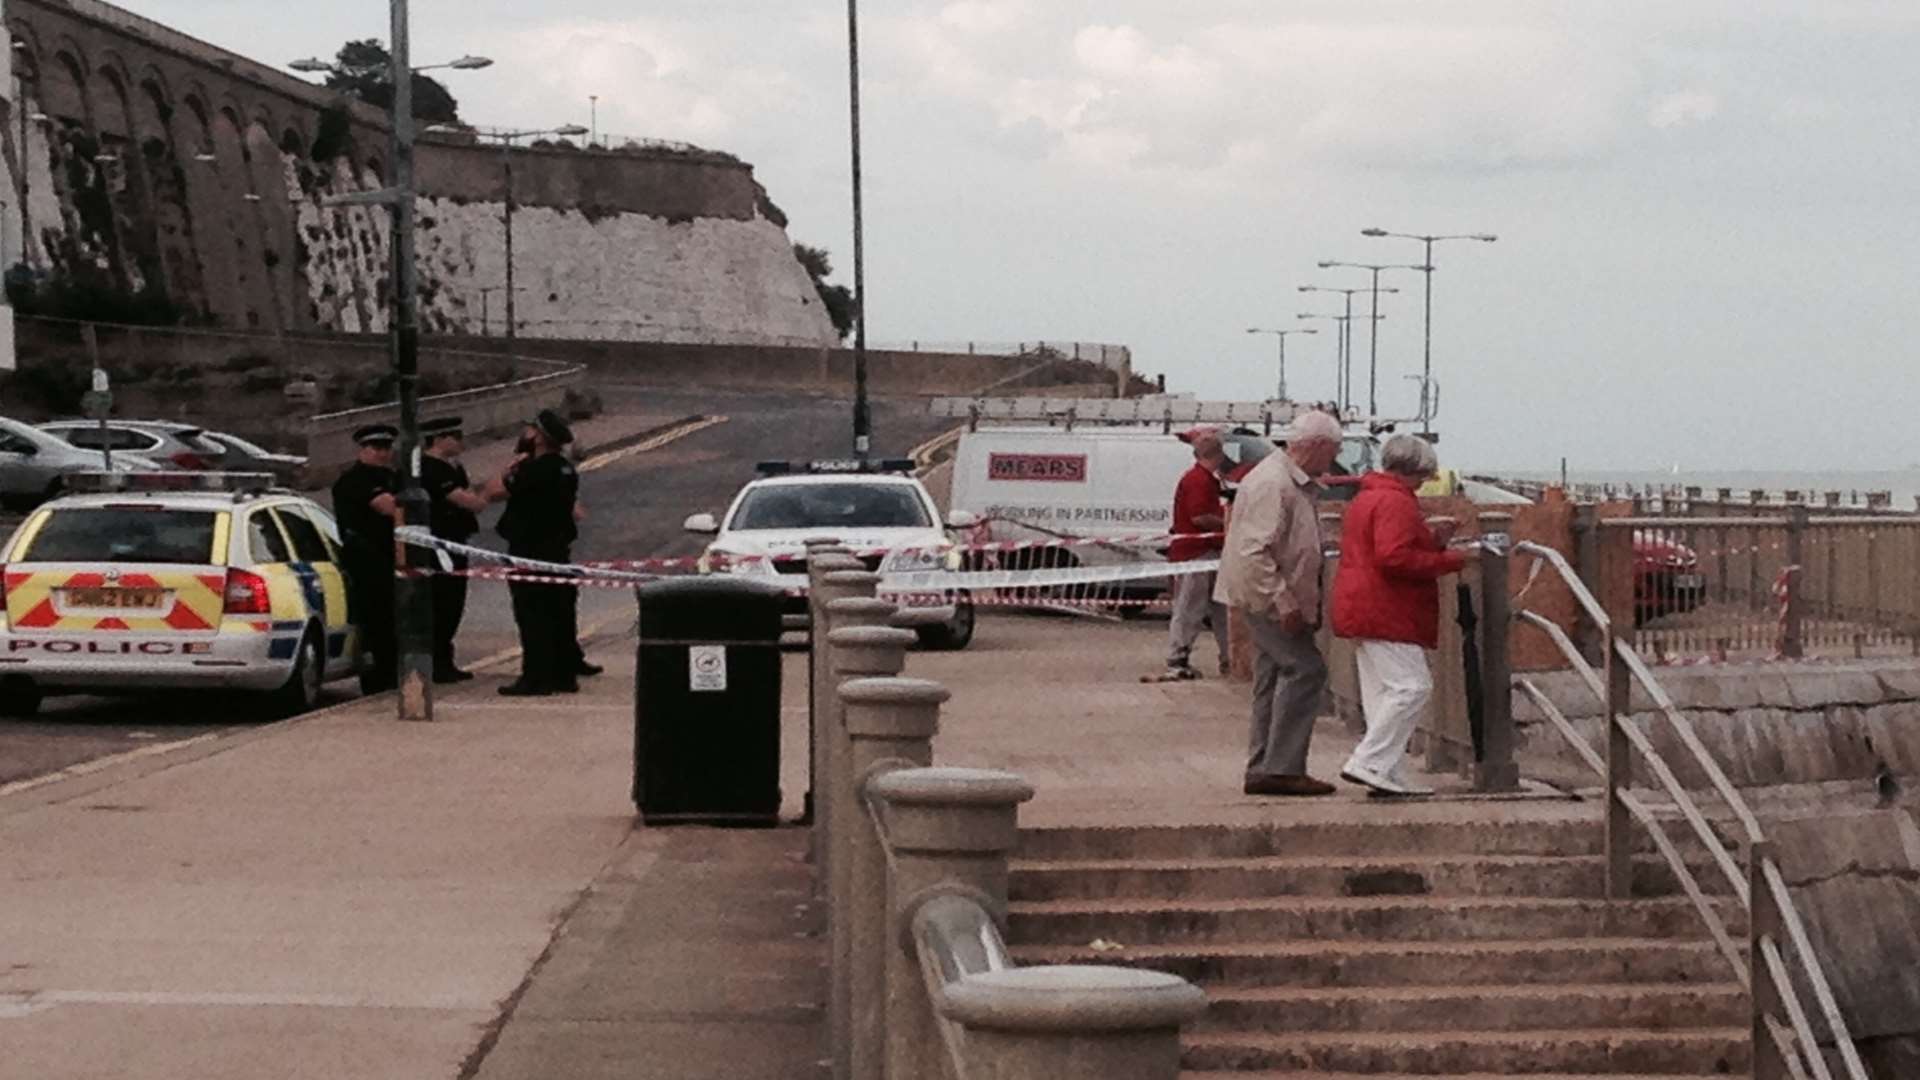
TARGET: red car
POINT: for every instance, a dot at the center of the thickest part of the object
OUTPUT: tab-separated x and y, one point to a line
1666	577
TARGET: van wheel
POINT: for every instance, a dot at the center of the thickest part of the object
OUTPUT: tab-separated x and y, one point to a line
19	698
953	634
301	692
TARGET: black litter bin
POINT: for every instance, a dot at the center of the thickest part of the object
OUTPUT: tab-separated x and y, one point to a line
706	703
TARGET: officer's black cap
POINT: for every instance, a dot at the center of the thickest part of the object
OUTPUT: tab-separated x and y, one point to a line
445	425
554	426
376	435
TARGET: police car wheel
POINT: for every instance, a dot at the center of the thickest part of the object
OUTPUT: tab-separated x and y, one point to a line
953	634
302	689
19	698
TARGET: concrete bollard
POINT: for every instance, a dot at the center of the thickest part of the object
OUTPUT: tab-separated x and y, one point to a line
1073	1022
819	565
854	651
950	830
890	726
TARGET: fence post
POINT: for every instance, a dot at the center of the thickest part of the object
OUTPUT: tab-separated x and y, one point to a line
1791	645
819	565
1763	924
1619	838
890	726
1586	563
1074	1023
949	829
860	650
1496	769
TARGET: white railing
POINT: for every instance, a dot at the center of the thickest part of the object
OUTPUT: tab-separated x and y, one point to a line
911	862
1783	1045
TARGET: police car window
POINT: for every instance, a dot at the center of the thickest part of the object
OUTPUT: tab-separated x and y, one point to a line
307	545
264	541
809	506
135	534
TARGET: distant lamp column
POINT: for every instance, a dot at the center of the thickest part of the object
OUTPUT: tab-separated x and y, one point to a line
1346	337
506	140
1281	337
1373	332
1339	354
1426	352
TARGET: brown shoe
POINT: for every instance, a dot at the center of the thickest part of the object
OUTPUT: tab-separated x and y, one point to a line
1286	785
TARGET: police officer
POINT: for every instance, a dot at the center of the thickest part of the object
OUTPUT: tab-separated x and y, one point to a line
542	492
454	509
366	503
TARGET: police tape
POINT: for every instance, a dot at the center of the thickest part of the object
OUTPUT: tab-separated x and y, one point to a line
514	568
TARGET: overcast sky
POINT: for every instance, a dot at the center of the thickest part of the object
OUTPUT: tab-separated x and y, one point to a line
1706	209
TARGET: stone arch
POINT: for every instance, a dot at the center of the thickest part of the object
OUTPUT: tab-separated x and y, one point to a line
267	176
24	141
123	174
63	87
252	301
210	199
164	139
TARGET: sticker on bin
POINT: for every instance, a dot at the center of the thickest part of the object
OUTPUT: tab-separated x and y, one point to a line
706	667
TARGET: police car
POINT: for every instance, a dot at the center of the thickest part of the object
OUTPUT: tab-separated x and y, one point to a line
165	581
877	509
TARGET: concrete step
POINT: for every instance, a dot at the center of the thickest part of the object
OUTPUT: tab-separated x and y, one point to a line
1373	875
1384	836
1701	1052
1195	922
1316	1075
1590	961
1644	1006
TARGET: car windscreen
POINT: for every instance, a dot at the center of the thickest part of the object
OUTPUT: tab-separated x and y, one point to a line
134	534
813	506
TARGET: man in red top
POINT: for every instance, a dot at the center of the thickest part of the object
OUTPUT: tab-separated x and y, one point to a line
1198	508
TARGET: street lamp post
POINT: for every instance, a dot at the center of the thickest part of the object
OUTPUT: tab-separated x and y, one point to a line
506	171
1426	352
1373	332
862	416
1346	332
1339	355
1281	337
413	613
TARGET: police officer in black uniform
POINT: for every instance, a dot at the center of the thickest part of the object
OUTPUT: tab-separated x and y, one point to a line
454	515
542	492
366	503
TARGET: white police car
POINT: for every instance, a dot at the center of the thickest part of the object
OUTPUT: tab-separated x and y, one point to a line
877	509
174	581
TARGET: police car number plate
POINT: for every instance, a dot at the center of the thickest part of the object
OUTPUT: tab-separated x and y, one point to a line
113	598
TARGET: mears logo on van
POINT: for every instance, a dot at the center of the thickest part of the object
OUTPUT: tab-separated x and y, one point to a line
1057	468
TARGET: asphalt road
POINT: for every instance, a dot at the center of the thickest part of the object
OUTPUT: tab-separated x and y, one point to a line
635	507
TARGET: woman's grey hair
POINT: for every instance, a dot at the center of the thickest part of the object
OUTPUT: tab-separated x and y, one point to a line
1409	455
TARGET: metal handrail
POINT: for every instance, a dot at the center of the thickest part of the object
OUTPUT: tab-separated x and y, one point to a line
1763	873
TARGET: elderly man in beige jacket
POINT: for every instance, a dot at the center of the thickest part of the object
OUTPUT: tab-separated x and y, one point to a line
1270	573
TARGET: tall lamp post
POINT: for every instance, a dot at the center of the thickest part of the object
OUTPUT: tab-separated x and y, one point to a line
1373	332
862	415
506	139
413	614
1426	352
1339	353
1281	337
1346	335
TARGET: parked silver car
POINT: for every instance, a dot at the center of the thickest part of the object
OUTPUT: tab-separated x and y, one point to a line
177	445
34	464
244	456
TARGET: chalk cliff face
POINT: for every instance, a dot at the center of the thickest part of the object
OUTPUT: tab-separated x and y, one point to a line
138	158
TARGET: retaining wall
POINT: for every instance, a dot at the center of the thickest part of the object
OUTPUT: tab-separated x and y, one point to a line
487	410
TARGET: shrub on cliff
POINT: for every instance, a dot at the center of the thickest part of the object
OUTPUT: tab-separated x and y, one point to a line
837	298
364	69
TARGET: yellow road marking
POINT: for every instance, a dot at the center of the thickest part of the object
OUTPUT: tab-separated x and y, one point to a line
601	461
922	455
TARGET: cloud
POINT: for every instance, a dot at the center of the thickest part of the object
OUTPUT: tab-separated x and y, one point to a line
1683	110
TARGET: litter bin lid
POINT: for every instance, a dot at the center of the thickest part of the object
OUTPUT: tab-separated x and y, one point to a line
711	607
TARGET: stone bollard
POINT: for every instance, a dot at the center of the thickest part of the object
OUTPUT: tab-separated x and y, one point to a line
819	565
950	830
1073	1022
864	649
890	726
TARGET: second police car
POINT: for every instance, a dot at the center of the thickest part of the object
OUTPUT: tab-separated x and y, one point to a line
174	581
879	510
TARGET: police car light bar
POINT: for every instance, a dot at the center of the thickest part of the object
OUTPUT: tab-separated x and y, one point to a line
106	483
829	466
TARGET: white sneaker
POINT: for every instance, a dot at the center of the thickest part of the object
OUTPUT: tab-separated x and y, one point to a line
1379	782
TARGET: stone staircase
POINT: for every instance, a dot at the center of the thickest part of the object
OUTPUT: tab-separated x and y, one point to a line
1393	947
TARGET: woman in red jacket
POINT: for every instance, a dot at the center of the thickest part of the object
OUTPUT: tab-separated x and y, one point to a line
1386	596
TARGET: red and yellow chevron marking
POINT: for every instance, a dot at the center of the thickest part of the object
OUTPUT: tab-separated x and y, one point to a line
33	603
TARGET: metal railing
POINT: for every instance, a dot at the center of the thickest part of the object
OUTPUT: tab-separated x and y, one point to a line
911	862
1784	584
1784	1039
